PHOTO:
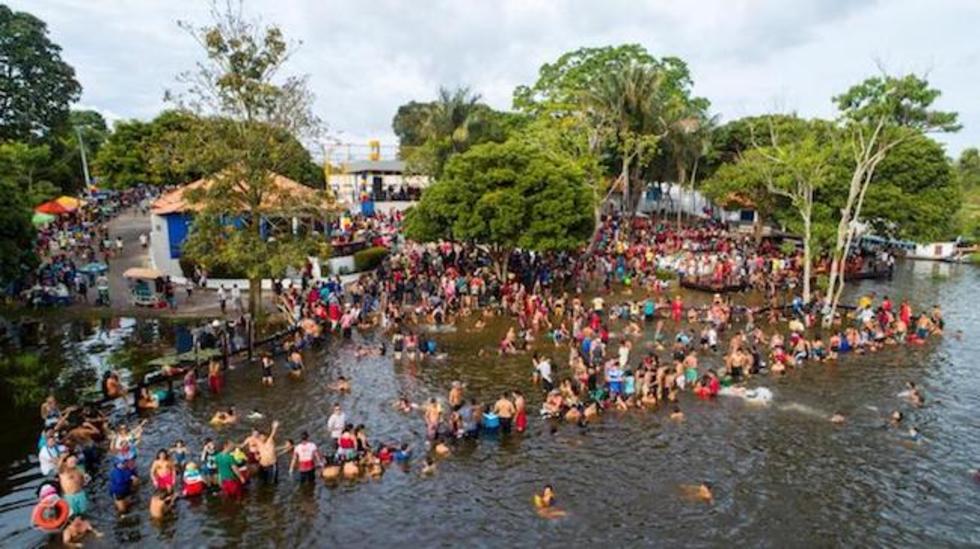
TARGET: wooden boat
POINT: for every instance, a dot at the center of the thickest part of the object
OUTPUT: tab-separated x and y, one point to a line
885	274
711	288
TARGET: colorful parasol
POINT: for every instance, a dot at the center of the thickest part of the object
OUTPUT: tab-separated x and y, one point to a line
52	208
41	219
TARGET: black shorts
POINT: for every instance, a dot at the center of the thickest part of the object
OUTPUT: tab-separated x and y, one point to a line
505	424
307	476
270	474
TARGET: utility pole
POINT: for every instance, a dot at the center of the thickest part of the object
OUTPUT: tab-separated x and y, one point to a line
81	148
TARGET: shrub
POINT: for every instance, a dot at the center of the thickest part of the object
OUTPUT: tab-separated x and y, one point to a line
370	258
666	274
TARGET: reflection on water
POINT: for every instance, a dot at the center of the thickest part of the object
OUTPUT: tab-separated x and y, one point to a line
783	475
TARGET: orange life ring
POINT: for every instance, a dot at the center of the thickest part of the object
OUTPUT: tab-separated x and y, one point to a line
50	516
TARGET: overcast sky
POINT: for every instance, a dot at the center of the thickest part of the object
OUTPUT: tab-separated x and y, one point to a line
365	58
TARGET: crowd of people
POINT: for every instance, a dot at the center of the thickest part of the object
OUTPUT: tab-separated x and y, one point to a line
75	250
551	303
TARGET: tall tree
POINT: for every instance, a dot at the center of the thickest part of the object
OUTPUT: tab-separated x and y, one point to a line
628	106
16	233
879	114
239	81
504	196
36	85
23	165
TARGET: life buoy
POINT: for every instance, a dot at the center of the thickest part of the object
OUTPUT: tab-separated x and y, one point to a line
50	514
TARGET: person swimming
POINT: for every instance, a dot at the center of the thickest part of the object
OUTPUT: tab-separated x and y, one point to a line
544	503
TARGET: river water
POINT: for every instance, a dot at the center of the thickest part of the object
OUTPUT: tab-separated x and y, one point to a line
783	475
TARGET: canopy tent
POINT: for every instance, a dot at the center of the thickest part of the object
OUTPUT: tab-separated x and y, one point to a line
52	207
41	219
69	202
94	268
142	273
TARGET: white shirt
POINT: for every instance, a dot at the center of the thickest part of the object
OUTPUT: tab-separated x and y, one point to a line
544	369
48	458
336	424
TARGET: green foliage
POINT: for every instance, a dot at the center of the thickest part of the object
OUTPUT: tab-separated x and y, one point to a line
369	258
665	274
901	101
23	166
968	168
249	111
430	133
25	379
561	84
16	234
171	149
36	85
914	193
504	196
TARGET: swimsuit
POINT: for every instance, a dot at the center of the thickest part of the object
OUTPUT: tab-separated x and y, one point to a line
77	502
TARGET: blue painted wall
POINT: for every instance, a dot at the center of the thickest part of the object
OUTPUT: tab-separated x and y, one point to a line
177	227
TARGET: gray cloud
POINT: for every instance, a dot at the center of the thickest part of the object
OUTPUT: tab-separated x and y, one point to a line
366	58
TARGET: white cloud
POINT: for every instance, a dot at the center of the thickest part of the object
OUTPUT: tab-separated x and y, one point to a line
367	58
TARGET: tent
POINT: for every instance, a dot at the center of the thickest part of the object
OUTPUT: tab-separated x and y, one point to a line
69	202
52	207
41	219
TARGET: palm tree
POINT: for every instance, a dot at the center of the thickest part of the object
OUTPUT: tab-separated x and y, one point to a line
454	115
688	140
627	105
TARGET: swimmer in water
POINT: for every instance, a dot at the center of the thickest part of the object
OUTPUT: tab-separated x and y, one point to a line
161	503
545	503
700	492
676	413
342	385
897	417
224	417
837	418
429	468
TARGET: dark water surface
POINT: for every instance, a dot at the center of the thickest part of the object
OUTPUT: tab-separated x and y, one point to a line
784	476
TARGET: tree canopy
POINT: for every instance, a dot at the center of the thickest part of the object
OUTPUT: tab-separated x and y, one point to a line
502	196
36	85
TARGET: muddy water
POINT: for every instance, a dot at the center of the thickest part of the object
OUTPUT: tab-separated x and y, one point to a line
783	474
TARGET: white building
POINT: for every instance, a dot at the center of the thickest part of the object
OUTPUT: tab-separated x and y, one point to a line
381	180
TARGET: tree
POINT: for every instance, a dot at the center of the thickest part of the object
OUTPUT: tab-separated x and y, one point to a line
560	85
22	165
121	161
879	114
628	108
16	233
504	196
166	151
797	171
36	85
430	133
239	82
968	169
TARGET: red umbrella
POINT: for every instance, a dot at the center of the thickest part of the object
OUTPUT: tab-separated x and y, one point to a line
52	207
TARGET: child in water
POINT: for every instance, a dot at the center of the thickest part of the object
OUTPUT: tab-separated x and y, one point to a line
545	503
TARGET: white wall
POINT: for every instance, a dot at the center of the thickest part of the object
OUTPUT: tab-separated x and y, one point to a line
160	248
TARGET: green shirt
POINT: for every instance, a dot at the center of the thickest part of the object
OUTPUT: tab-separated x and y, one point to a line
226	466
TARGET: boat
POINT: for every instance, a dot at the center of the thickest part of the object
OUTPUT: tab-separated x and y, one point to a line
712	288
884	274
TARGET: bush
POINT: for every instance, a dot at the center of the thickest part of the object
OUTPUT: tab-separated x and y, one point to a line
665	274
370	258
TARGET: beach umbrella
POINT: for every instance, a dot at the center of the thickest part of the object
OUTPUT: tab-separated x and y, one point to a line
69	202
94	268
52	207
41	219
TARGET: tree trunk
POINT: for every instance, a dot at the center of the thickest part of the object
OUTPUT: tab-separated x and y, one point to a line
807	268
757	228
625	176
255	308
681	177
